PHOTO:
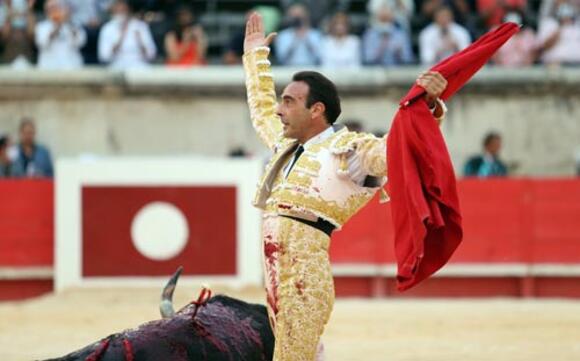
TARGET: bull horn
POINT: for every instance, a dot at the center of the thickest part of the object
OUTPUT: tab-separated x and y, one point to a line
166	305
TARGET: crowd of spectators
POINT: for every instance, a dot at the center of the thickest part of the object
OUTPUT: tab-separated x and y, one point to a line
121	34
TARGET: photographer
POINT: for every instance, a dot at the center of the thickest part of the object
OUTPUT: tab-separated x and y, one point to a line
385	42
299	44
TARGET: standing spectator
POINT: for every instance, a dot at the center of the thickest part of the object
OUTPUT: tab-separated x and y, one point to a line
487	164
186	44
339	48
520	49
402	11
385	43
18	20
58	40
559	38
298	45
125	41
442	38
33	160
5	162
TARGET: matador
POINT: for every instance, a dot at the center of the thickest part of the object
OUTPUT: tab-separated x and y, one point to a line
319	176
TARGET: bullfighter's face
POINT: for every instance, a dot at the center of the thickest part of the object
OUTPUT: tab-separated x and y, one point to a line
297	118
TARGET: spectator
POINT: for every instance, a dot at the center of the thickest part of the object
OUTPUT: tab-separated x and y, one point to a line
18	21
520	49
125	41
58	40
5	162
548	7
339	48
386	44
488	164
559	38
33	160
186	44
298	45
402	11
493	11
442	38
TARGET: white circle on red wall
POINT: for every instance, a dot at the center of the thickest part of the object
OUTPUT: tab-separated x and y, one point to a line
159	231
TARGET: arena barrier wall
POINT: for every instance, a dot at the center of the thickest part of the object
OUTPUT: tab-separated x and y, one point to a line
521	237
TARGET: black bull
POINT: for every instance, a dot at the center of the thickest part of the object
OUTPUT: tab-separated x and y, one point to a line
211	328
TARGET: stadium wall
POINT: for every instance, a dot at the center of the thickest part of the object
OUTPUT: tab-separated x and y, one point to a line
96	112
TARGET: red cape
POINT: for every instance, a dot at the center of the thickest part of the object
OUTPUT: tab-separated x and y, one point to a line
422	186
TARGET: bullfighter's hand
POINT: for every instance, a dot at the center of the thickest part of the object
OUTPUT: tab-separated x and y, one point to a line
255	36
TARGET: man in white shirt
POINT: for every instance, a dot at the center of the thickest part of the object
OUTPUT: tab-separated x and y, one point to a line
442	38
559	37
58	40
126	42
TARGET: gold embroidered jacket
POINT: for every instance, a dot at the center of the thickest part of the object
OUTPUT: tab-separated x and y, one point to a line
319	184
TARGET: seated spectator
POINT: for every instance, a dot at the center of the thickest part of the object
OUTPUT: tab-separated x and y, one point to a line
385	43
402	10
493	11
520	49
299	44
442	38
559	37
487	164
18	21
125	41
186	44
33	160
339	48
5	162
58	40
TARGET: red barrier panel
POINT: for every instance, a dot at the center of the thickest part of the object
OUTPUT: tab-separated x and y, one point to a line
26	223
505	221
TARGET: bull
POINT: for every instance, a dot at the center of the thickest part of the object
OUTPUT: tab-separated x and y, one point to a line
216	328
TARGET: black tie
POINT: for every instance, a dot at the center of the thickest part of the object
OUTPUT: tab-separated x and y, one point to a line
297	155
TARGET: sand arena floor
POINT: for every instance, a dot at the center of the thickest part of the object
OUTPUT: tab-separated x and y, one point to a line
369	330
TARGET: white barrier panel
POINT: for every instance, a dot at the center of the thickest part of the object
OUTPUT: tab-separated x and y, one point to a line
131	221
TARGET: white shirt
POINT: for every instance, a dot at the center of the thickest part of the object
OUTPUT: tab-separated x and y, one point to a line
62	51
341	52
354	165
129	54
432	42
567	48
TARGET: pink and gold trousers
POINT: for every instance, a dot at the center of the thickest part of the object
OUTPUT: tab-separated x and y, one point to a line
299	286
